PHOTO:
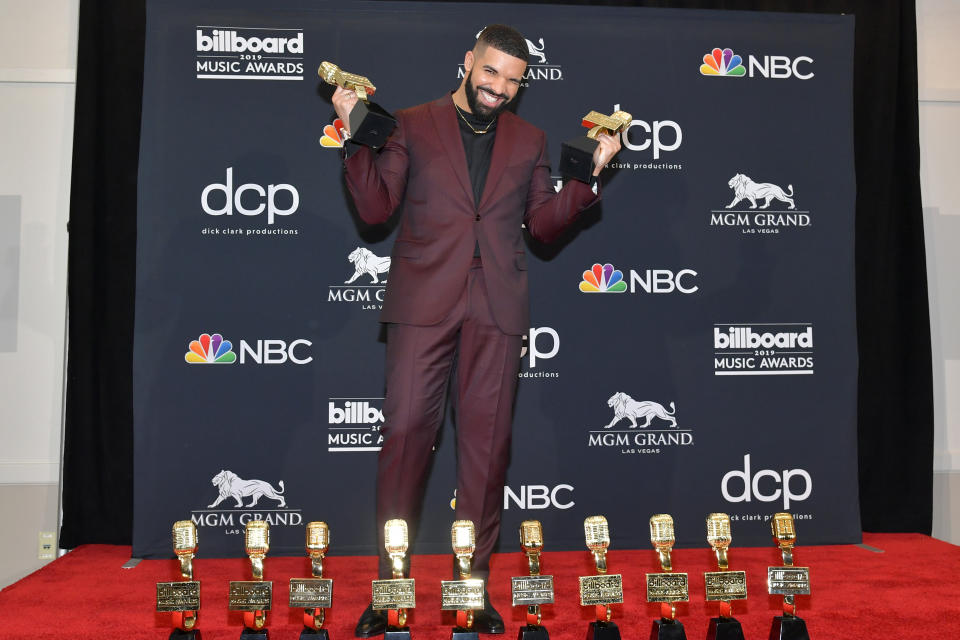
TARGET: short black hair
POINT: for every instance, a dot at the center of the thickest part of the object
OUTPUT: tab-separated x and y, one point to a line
506	39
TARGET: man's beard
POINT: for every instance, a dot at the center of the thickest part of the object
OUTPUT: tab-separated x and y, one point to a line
479	109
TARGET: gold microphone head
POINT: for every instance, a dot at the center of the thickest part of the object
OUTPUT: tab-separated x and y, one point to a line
184	538
531	536
257	538
318	538
463	537
328	71
784	533
597	533
661	531
718	530
395	539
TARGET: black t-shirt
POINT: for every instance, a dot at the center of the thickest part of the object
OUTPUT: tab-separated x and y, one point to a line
478	148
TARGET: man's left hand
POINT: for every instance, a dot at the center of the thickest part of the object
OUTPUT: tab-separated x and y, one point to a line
608	147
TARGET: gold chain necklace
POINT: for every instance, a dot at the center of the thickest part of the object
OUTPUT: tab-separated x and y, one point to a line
464	118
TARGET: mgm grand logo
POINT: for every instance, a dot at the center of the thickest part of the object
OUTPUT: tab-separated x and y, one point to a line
242	498
642	426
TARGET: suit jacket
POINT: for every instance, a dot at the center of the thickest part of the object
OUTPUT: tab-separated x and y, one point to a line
423	167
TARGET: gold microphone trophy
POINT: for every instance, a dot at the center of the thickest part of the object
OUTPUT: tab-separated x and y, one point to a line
787	581
533	590
315	594
254	597
667	587
466	594
723	585
182	598
398	594
369	123
576	155
603	589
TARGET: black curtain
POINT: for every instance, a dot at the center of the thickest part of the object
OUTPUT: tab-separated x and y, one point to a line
895	382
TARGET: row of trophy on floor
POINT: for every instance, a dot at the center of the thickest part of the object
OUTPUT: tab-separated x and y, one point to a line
396	595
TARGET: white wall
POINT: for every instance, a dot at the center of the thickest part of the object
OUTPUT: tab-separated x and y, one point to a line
938	22
38	42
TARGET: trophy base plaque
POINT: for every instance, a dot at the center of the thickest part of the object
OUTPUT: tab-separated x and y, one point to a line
603	631
459	633
254	634
314	634
724	629
792	628
576	158
533	632
370	124
397	633
180	634
664	629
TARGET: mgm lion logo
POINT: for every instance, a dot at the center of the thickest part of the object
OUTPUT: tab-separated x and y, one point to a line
230	485
626	407
746	189
365	261
535	51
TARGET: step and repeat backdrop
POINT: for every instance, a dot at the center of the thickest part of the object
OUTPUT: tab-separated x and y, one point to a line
693	344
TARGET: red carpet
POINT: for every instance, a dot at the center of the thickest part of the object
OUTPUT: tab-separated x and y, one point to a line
907	591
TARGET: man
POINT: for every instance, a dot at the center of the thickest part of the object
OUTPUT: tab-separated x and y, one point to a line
467	174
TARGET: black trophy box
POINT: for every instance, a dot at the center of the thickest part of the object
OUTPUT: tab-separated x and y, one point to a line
397	633
724	629
664	629
576	158
314	634
180	634
370	124
533	632
459	633
792	628
603	631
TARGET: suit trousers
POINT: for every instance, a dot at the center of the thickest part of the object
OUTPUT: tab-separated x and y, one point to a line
420	364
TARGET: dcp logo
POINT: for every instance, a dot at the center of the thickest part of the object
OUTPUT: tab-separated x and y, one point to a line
758	486
660	135
251	199
543	343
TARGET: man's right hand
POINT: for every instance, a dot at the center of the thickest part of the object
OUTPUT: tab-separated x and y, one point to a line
344	101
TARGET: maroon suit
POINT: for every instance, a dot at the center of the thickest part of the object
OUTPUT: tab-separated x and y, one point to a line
444	305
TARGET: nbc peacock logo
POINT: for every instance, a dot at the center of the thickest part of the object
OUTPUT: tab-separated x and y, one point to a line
603	279
331	135
722	62
210	349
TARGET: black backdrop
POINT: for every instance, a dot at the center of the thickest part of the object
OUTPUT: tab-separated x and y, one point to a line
895	392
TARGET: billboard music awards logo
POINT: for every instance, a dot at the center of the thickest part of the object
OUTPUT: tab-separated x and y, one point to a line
750	209
366	285
536	70
604	278
756	349
214	349
724	63
354	424
540	344
240	499
260	210
640	427
243	53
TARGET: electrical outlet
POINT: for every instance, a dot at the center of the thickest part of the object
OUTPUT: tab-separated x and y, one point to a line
47	546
